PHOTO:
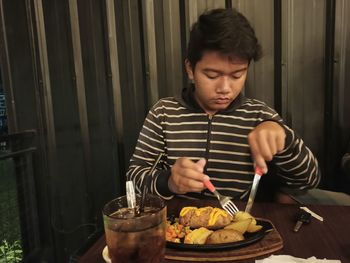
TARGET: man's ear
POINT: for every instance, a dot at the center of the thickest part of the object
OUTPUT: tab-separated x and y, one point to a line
189	69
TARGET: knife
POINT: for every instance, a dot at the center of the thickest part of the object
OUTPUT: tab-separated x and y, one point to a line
257	176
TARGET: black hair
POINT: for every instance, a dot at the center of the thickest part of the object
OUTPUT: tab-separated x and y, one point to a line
226	31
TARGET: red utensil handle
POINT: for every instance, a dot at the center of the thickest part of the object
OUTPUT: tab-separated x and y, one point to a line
259	171
209	185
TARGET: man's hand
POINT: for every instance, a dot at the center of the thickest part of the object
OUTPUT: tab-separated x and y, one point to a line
267	139
187	176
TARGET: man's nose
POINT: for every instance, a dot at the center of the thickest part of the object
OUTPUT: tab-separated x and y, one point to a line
224	86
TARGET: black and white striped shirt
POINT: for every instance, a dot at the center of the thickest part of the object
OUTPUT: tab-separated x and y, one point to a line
178	127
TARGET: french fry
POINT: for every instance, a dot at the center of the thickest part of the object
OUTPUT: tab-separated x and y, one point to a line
253	228
240	226
239	216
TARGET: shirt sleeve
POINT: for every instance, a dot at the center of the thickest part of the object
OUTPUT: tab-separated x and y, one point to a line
296	165
149	145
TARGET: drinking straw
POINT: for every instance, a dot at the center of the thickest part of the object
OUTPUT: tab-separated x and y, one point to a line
130	194
147	182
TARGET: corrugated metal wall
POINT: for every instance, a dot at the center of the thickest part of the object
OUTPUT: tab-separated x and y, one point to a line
338	108
84	74
303	64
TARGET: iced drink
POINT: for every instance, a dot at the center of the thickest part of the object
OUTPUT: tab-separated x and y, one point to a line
133	237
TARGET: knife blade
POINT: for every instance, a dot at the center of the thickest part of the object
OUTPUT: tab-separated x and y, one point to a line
257	176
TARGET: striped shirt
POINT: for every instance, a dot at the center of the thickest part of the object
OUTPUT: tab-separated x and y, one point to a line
178	127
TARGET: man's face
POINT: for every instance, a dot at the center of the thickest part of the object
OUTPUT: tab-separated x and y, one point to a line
218	80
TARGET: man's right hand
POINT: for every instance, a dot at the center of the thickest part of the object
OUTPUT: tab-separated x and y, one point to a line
187	176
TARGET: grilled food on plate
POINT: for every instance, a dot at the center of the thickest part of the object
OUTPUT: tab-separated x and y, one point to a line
198	236
175	232
252	227
224	236
240	226
208	217
209	225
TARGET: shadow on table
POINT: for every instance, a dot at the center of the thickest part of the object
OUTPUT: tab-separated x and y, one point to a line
76	255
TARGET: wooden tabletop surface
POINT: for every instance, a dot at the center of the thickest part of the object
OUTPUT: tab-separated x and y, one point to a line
328	239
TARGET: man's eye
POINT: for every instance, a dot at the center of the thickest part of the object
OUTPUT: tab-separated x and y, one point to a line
212	75
237	75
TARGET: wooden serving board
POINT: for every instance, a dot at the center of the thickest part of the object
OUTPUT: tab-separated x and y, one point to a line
270	243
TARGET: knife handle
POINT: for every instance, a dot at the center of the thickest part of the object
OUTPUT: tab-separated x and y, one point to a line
209	185
259	171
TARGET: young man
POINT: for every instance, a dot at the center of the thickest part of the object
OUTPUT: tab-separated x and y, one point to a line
211	131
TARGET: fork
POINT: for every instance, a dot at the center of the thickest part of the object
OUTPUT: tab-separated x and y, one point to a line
225	201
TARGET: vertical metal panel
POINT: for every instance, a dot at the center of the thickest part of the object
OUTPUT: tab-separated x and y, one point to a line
211	4
81	96
332	142
161	49
133	80
339	143
191	16
303	37
204	5
46	84
278	55
341	71
150	51
260	81
99	102
172	45
114	65
41	171
71	170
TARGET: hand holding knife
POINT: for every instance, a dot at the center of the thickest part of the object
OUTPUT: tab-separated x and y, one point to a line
257	176
265	140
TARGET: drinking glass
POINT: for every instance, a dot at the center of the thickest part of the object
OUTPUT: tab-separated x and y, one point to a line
133	237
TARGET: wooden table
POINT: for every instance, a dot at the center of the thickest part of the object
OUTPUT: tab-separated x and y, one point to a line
328	239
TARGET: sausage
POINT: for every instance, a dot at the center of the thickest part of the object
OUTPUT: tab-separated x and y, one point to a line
208	217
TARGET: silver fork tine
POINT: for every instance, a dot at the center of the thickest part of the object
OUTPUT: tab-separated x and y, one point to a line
228	202
232	207
228	210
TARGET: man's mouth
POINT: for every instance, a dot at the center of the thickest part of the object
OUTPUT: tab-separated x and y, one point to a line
222	100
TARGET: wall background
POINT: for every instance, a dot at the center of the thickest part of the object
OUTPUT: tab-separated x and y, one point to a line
84	73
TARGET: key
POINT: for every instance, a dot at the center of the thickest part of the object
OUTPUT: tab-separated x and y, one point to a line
303	218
